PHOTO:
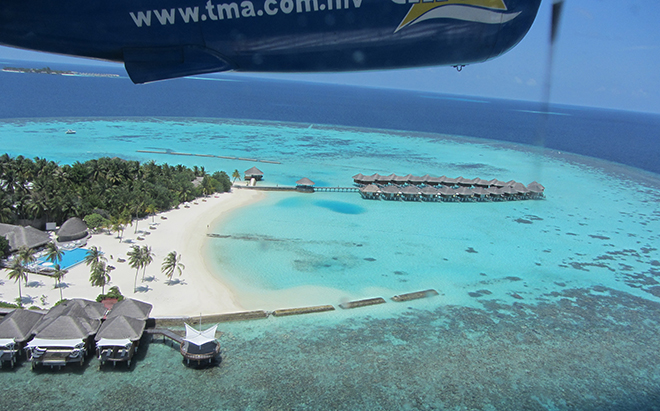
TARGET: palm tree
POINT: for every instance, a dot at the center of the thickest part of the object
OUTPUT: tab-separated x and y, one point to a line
151	210
99	276
17	273
172	263
94	257
235	175
135	261
58	274
53	253
147	257
26	256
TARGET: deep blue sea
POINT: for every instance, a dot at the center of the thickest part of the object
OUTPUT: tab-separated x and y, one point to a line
549	305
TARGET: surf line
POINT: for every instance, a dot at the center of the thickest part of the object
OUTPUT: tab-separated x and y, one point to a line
175	153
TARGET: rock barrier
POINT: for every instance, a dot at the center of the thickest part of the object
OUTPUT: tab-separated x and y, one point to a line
362	303
414	296
302	310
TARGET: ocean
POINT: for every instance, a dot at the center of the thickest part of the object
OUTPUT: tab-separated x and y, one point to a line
549	304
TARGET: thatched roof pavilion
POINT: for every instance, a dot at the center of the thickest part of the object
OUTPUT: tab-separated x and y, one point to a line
370	179
131	308
385	179
304	182
17	325
535	187
450	181
78	307
19	236
434	181
67	327
401	180
73	229
370	191
255	173
416	180
120	328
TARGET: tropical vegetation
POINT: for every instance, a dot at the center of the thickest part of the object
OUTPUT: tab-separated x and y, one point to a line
139	258
171	264
116	190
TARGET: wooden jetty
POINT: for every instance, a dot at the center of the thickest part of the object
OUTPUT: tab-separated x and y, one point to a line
165	333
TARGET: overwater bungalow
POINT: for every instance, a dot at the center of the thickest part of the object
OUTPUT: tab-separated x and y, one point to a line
64	339
435	181
451	182
496	193
372	192
465	194
429	193
130	308
254	173
118	339
305	185
411	193
402	180
200	346
385	179
391	192
535	190
358	179
447	193
65	334
15	331
417	180
480	193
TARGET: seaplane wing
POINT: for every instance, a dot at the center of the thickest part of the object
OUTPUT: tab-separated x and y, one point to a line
162	39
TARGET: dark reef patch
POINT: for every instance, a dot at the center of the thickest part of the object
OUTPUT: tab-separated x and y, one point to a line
471	250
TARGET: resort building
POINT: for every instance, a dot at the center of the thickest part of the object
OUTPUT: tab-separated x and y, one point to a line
19	236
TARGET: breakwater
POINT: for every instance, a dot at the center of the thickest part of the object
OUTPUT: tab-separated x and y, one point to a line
175	153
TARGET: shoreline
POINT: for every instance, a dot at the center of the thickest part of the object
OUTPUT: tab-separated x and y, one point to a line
197	291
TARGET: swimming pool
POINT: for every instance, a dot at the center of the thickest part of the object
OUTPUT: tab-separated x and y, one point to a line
70	258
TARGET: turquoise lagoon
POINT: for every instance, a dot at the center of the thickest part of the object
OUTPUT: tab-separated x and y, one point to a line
549	304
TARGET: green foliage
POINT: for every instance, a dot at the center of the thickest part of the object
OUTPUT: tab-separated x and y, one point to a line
60	302
109	187
113	293
4	247
4	304
95	221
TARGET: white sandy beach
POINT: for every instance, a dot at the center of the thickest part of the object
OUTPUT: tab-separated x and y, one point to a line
197	291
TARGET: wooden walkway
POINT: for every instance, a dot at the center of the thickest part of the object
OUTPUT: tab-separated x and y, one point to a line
165	333
338	189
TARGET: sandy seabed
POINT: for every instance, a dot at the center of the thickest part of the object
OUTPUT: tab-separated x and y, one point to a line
197	291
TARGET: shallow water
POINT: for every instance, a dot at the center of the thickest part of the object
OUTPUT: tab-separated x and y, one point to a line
548	304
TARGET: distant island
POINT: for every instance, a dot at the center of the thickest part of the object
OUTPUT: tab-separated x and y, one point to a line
48	70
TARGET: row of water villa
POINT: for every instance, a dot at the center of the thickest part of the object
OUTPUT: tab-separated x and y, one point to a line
428	188
70	332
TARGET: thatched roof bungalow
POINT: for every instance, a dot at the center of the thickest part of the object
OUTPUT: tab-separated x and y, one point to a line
19	236
130	308
255	173
73	229
372	191
15	331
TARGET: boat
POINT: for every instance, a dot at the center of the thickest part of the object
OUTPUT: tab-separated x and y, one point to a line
69	131
200	346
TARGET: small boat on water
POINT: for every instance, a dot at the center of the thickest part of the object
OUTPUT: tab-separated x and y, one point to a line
200	346
69	131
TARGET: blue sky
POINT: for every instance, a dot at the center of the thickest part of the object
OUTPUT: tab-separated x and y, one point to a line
607	55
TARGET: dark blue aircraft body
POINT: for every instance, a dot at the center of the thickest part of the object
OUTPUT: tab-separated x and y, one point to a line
160	39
